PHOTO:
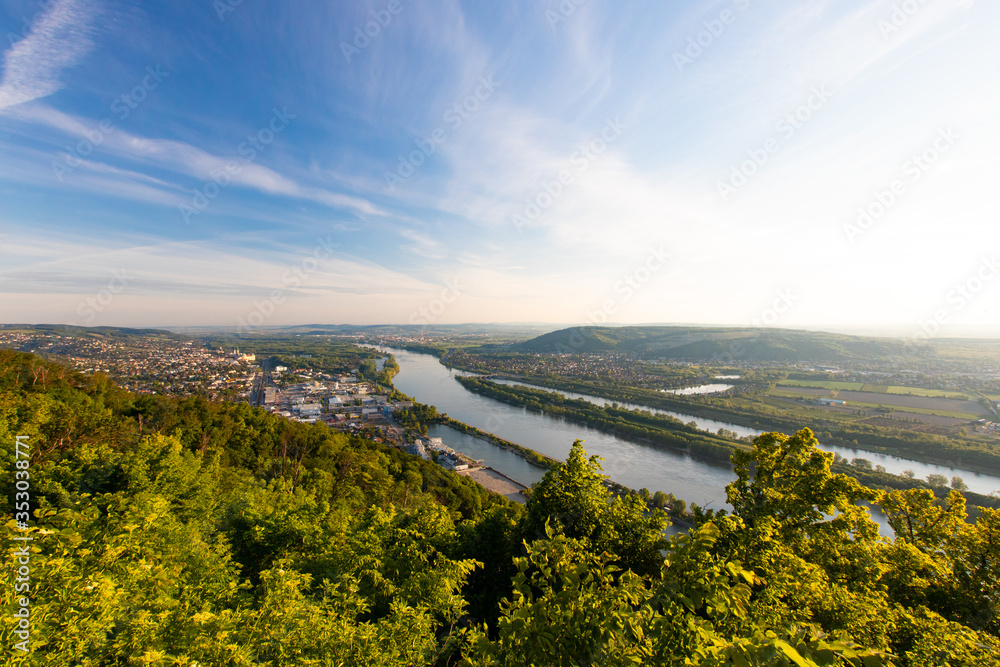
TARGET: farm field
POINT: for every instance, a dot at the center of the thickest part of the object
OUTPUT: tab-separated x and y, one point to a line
824	384
931	393
943	412
922	403
806	412
934	420
801	392
904	410
910	424
877	389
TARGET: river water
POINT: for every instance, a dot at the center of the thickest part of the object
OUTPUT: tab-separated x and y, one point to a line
426	380
977	482
703	389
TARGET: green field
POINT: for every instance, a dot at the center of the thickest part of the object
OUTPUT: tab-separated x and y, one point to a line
784	393
790	407
880	389
932	393
903	408
825	384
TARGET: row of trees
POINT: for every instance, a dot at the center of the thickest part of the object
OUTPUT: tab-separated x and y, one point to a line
664	501
936	480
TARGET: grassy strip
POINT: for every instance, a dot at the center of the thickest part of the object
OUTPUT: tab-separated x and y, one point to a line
782	390
779	392
930	393
825	384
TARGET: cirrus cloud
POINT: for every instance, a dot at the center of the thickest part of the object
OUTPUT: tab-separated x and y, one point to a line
57	40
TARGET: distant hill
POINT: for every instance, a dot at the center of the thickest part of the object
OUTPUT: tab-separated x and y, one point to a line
517	330
94	332
726	344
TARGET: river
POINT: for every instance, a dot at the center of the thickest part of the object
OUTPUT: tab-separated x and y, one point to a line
702	389
426	380
977	482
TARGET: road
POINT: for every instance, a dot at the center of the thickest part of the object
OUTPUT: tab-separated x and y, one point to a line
261	382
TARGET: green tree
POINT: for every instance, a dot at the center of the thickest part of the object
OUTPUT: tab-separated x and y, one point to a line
864	464
785	493
569	607
801	528
574	497
937	480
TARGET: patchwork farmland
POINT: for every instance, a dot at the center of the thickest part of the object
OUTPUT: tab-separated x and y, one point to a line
936	408
917	402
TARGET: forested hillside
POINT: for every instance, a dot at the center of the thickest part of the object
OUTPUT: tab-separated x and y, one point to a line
182	532
755	344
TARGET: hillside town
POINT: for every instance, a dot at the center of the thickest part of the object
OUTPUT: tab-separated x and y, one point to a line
343	402
145	365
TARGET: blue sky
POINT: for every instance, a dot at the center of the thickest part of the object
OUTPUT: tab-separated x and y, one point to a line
818	165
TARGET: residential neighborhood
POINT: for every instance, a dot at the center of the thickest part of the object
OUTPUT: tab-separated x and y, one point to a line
145	365
187	368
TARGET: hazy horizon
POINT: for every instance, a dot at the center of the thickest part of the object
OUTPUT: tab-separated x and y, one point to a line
827	166
544	327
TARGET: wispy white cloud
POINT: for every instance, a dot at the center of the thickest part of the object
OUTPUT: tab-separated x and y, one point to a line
211	268
184	158
33	168
422	244
687	130
58	40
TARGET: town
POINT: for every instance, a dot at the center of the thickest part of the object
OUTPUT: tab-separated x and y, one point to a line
346	403
142	365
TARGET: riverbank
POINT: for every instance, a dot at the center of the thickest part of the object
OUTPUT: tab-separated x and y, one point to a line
646	429
529	455
650	432
497	482
954	452
675	507
632	465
